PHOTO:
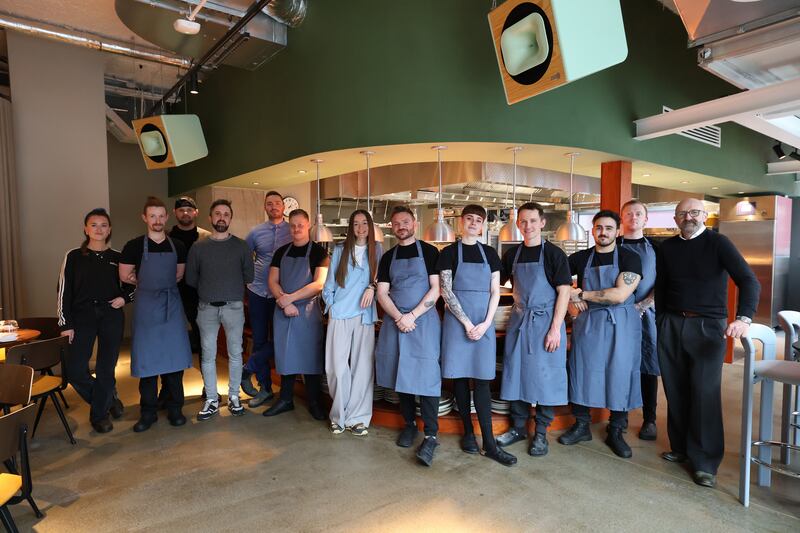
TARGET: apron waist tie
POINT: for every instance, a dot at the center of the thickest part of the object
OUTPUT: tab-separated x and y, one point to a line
532	313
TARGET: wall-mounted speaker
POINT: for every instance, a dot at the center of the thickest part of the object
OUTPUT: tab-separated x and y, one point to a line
544	44
170	140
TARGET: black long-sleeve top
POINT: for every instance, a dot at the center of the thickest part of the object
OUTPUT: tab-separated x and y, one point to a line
692	275
86	280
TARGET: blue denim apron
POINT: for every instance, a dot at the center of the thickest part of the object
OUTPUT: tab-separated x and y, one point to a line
649	338
299	343
409	362
531	373
160	340
606	347
462	357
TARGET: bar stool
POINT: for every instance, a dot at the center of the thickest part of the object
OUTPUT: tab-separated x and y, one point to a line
766	372
790	324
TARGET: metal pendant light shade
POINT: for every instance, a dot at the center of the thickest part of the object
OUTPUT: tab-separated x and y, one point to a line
439	230
320	233
378	230
570	233
510	232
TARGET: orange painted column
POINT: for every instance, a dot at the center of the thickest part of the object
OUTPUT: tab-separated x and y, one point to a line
615	184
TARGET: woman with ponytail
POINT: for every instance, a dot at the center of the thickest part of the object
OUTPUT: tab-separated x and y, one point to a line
349	295
90	302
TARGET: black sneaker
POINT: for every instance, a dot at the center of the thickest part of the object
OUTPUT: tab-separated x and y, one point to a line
648	431
617	443
579	432
539	446
235	406
247	384
426	450
469	444
407	436
103	425
117	409
501	456
210	408
511	436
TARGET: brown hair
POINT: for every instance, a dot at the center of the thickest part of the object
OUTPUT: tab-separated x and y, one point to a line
98	212
532	206
402	209
349	248
221	201
633	202
299	213
474	209
152	201
273	193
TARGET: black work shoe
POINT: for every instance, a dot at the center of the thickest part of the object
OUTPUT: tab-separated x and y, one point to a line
247	383
117	409
579	432
317	412
407	436
501	456
674	457
103	425
281	406
648	431
144	423
705	479
617	443
539	446
426	450
176	419
469	444
511	436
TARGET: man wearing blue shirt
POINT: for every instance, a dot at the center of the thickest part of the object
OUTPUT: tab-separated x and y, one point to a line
263	240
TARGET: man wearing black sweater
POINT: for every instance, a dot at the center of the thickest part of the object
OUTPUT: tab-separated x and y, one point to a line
691	296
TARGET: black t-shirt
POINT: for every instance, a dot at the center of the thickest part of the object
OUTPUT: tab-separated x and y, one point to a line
187	237
556	266
134	249
629	261
429	253
638	241
318	257
448	258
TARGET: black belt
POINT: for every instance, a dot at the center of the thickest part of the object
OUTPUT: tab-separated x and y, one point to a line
218	304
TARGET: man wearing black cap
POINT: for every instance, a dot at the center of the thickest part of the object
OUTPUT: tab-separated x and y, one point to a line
188	233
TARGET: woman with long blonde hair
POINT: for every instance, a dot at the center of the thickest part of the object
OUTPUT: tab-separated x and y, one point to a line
349	296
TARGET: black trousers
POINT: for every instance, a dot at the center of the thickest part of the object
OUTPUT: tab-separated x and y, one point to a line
105	324
618	419
482	396
649	397
171	387
429	407
190	301
313	387
691	352
521	412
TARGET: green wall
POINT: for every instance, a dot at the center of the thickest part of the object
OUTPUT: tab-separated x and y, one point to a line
376	72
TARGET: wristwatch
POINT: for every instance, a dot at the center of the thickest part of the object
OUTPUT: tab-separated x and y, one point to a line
745	319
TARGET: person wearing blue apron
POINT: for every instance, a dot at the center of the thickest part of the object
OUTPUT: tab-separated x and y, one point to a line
407	354
634	219
160	344
535	354
606	335
469	272
296	277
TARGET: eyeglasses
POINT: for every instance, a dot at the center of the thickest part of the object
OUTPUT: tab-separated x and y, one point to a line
693	212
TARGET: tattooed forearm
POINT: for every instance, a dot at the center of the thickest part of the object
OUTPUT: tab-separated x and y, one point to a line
446	279
429	303
629	278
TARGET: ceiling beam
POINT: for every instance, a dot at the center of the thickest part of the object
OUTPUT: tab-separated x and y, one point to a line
790	166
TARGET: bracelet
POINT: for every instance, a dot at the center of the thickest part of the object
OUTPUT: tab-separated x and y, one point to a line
412	314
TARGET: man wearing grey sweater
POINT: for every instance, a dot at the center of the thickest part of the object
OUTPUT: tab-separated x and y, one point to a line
219	267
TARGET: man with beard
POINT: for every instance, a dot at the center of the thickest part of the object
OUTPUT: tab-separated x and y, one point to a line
188	233
691	315
219	267
155	263
606	335
409	343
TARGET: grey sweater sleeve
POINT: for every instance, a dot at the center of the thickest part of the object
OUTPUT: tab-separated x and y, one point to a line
192	267
248	267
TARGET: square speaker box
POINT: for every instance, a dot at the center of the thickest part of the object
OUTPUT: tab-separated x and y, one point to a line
544	44
170	140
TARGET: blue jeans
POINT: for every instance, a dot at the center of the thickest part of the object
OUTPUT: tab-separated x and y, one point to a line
261	310
209	318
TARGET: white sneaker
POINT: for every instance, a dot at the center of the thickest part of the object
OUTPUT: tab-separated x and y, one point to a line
235	406
210	408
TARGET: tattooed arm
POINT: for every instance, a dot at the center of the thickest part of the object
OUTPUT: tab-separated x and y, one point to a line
446	280
429	300
626	284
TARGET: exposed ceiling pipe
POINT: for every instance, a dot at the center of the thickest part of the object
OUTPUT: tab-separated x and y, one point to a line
88	40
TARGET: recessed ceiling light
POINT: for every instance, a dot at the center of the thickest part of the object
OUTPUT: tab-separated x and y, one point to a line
646	175
685	182
714	188
302	171
256	183
740	192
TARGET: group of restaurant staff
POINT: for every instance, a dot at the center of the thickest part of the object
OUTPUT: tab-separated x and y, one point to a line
635	312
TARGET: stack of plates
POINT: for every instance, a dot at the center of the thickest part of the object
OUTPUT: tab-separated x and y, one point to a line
446	404
378	393
391	396
501	317
501	407
471	404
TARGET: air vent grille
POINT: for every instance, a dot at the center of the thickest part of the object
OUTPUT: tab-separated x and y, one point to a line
707	134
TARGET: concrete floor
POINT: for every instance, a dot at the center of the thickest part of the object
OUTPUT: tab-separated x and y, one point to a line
290	473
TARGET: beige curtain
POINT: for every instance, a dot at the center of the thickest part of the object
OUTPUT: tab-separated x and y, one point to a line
10	281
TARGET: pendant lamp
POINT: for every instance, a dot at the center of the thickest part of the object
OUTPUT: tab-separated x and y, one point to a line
510	232
320	233
378	231
439	230
570	234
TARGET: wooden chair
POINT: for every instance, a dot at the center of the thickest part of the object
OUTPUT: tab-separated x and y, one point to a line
48	326
42	356
17	485
15	386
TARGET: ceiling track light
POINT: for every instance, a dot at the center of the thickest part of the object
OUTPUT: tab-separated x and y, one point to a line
193	83
778	149
794	155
